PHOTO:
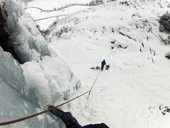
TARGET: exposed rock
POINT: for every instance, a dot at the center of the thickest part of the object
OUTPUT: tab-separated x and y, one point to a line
165	39
167	55
96	2
165	23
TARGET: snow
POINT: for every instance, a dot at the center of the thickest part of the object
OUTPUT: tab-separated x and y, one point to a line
55	4
130	93
49	79
134	92
50	5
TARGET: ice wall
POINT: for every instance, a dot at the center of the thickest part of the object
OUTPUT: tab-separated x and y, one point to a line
42	79
13	102
26	40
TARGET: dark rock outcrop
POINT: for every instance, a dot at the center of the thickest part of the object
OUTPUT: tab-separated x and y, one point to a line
167	55
165	23
96	2
165	27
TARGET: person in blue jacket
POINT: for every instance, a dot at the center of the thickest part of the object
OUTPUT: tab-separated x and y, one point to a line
70	121
103	63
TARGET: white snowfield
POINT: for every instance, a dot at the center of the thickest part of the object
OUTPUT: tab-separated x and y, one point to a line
50	5
134	92
34	8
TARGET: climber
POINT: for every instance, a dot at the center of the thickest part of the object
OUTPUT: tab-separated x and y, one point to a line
70	121
103	63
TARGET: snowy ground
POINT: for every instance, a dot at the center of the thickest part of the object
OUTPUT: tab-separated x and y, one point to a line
130	92
133	92
38	14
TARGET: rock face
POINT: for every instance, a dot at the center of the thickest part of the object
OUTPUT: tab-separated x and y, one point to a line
167	55
165	23
27	0
96	2
165	27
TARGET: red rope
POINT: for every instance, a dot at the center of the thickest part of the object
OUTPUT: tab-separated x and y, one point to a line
37	114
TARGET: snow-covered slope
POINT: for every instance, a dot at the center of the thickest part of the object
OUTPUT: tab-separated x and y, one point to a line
134	92
54	9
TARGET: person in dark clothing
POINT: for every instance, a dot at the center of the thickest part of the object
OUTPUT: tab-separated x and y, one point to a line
103	63
70	121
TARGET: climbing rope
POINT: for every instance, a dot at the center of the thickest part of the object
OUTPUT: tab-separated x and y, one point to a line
50	17
37	114
49	109
93	84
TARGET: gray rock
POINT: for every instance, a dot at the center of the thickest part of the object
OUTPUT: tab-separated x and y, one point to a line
165	23
166	41
96	2
167	55
161	28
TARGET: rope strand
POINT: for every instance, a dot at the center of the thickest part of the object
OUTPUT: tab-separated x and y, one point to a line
37	114
47	110
93	85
